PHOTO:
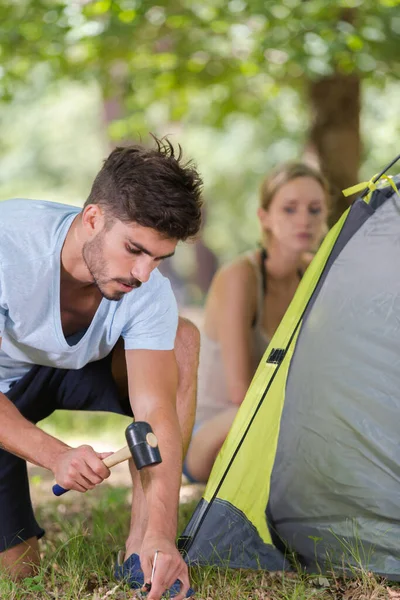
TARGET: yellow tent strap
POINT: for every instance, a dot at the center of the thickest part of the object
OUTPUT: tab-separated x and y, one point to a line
371	185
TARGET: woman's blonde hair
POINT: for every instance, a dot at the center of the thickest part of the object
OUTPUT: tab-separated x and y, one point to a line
285	173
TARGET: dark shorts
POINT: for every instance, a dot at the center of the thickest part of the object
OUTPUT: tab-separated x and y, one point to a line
37	395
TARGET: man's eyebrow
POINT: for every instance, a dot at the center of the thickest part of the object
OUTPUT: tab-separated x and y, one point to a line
145	251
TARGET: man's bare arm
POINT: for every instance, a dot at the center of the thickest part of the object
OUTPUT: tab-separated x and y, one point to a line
74	468
152	377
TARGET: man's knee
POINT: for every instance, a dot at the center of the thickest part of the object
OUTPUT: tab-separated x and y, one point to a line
187	338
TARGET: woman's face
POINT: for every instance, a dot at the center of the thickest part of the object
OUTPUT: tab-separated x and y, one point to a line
296	217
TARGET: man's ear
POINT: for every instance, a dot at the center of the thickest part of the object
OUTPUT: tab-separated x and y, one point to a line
263	217
93	219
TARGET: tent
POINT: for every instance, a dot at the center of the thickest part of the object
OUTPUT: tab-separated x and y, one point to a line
311	466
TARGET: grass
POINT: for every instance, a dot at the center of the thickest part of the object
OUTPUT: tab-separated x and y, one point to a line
85	531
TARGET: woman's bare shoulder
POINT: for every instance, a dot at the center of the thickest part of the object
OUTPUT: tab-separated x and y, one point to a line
238	269
233	292
235	279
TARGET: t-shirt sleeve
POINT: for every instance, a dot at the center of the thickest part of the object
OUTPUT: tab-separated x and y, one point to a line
2	321
154	323
3	311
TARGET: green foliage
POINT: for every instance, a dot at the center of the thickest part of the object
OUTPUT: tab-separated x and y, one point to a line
224	78
196	60
57	156
52	142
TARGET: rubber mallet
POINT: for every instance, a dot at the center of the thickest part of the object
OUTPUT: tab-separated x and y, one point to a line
142	447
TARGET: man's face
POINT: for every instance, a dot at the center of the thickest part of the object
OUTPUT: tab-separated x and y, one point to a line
121	258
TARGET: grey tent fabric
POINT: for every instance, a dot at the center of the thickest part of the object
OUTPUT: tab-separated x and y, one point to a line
335	488
236	545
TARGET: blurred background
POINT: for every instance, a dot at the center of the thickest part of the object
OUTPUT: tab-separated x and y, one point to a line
241	85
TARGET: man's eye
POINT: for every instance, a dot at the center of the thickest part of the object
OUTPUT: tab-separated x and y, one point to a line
133	250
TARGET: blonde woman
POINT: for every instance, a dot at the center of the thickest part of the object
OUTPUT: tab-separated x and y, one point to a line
247	301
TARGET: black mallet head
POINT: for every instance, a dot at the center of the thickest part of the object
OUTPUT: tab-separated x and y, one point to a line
143	444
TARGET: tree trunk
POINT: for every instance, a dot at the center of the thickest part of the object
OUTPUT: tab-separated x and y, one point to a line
335	134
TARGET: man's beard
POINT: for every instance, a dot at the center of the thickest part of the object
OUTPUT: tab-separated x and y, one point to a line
92	254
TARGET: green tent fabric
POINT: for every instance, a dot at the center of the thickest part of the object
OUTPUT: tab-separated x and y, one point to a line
311	466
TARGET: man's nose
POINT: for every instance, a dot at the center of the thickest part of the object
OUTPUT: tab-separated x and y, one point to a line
142	269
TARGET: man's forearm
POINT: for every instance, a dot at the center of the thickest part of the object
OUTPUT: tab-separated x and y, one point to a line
161	484
20	437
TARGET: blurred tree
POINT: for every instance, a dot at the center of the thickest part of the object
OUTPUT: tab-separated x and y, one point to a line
206	60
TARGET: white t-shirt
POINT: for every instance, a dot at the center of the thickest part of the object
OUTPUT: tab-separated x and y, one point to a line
32	233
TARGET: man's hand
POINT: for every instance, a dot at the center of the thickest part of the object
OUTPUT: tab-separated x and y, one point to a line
170	566
80	469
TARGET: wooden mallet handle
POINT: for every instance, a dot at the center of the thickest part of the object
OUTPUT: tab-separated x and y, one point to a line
117	457
110	461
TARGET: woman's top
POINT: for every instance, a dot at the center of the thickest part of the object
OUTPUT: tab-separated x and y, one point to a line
213	396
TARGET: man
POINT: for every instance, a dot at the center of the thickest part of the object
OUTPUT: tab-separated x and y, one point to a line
85	318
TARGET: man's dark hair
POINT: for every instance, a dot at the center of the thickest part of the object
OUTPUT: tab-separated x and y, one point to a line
152	188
